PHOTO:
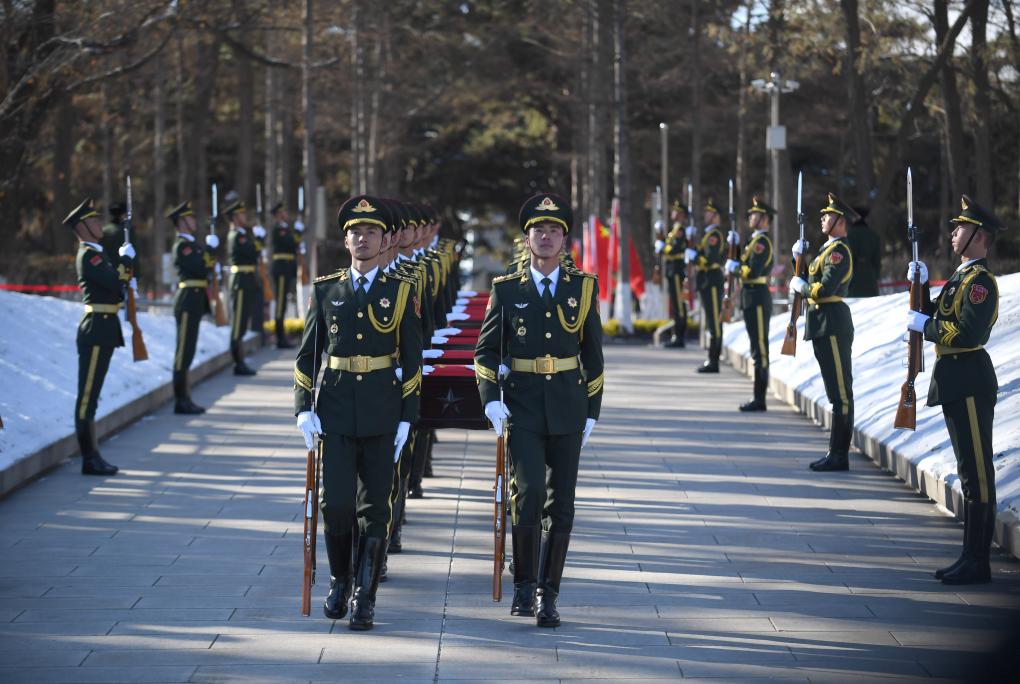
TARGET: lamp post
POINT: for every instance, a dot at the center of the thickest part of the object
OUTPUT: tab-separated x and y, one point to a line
775	137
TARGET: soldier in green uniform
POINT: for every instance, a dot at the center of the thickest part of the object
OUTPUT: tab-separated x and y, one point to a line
99	333
543	331
755	268
243	253
113	233
191	301
959	321
286	243
830	328
708	257
673	249
368	325
866	246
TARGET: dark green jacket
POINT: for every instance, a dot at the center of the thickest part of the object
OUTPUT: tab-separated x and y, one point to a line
242	250
673	252
284	241
113	238
755	270
962	317
103	284
828	278
370	403
867	249
711	255
192	264
518	323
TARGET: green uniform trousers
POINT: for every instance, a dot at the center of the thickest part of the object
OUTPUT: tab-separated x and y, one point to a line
678	301
756	320
242	303
357	481
187	338
544	479
969	422
711	309
93	363
833	354
283	286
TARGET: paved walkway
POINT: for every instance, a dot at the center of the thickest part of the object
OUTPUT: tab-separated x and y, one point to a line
704	548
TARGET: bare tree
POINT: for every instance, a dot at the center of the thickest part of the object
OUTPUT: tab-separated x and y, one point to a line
982	104
857	92
621	163
308	105
955	149
158	168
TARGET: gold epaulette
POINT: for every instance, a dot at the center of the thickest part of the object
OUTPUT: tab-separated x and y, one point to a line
508	276
578	272
402	277
340	273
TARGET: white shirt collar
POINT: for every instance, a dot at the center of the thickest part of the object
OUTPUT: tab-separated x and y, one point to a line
94	245
435	241
967	263
419	251
370	277
758	232
554	277
711	226
186	236
241	230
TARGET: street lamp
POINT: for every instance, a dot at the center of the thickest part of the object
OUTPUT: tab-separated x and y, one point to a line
775	136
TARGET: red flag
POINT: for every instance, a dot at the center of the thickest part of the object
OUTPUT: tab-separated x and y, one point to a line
602	239
637	274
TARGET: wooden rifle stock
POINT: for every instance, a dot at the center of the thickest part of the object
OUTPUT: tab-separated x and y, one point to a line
302	269
499	518
790	341
906	410
138	350
731	286
311	529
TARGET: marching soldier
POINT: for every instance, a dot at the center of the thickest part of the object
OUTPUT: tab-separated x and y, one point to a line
99	332
286	243
959	321
830	328
368	324
673	250
191	301
754	268
708	258
545	320
243	254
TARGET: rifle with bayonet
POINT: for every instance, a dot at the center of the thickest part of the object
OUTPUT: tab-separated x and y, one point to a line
500	488
691	267
138	350
302	268
213	288
906	411
800	270
311	506
267	286
731	278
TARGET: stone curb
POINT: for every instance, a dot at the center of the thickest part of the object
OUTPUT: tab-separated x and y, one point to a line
936	488
52	455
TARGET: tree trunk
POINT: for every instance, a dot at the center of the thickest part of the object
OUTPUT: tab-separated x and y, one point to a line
621	164
158	173
183	177
955	152
198	165
982	106
246	125
858	94
695	110
106	134
308	105
743	199
272	180
63	151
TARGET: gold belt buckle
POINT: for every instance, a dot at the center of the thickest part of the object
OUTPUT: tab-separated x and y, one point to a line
545	365
359	364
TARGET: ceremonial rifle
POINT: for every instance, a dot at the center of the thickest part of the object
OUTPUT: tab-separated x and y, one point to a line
302	269
691	272
311	492
906	412
213	288
799	269
731	278
267	287
138	350
499	487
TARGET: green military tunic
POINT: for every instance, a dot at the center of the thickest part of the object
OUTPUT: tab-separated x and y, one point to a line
755	299
676	273
711	255
243	253
285	242
191	301
866	246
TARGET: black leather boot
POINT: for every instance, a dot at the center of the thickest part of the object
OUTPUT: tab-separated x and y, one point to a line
240	367
281	337
840	434
341	574
396	545
366	583
527	541
551	561
182	398
714	351
761	383
92	462
975	566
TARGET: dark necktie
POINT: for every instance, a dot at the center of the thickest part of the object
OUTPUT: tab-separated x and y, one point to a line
547	293
360	293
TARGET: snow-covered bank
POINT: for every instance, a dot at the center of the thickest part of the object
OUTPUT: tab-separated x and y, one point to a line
879	360
39	368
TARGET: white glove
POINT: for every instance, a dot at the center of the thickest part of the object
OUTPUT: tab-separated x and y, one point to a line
458	316
133	284
458	308
690	255
302	248
211	241
733	237
432	353
467	293
497	413
265	255
589	425
399	372
691	232
259	232
797	284
916	321
913	266
403	427
799	247
732	265
218	269
299	226
127	249
448	332
426	369
504	370
309	425
462	301
439	339
659	246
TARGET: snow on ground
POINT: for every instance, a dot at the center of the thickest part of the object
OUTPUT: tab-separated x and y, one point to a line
879	366
39	368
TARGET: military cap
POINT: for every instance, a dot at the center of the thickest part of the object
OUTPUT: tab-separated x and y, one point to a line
392	218
402	214
710	205
276	207
81	212
232	207
546	206
840	208
180	211
679	207
973	213
117	209
414	213
362	209
759	207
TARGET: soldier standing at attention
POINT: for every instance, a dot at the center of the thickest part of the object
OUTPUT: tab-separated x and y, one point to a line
959	322
673	249
708	258
284	268
191	301
99	333
754	268
368	325
243	254
830	328
545	320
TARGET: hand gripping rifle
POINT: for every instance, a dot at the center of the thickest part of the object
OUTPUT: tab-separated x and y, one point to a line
267	286
213	288
799	269
138	350
906	412
731	278
310	503
499	488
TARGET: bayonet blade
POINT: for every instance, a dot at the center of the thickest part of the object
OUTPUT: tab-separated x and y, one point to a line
301	199
910	198
129	203
215	204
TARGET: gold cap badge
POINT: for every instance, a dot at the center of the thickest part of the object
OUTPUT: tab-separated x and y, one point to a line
362	207
547	205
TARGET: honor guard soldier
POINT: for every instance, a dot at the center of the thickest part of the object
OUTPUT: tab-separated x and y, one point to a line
830	328
113	234
542	330
243	253
708	258
286	243
755	268
99	333
673	249
191	301
959	321
368	325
